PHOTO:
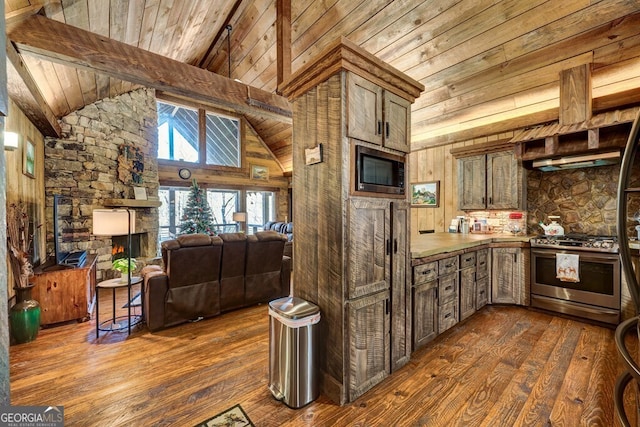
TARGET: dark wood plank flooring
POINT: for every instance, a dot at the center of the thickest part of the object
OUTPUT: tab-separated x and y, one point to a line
504	366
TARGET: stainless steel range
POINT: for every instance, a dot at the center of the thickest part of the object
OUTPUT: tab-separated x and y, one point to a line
593	293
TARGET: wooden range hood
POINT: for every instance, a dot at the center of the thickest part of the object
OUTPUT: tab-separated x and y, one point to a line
578	132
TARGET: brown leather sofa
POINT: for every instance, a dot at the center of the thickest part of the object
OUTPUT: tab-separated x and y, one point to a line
205	275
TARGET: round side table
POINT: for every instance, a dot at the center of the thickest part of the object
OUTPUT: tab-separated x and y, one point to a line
118	323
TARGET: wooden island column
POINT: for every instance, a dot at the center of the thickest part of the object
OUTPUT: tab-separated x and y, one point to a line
351	251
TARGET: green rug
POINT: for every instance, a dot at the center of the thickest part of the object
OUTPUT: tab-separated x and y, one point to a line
232	417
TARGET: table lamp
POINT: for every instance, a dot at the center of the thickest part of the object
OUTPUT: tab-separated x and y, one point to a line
240	217
117	222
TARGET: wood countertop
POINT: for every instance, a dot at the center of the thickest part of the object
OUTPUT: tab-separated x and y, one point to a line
426	245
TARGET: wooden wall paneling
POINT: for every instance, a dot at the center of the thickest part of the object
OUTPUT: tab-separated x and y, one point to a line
21	188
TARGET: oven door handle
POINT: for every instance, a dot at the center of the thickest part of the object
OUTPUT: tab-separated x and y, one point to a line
586	256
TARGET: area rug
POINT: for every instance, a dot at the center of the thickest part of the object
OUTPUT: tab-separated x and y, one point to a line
232	417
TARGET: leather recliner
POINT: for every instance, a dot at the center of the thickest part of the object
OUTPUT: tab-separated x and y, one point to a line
204	276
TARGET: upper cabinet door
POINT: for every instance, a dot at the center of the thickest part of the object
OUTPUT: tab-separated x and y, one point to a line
397	123
502	181
471	182
364	110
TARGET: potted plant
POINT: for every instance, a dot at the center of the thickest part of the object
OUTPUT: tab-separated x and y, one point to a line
24	315
123	265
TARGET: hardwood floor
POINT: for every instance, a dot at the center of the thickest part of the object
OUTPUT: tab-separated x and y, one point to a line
504	366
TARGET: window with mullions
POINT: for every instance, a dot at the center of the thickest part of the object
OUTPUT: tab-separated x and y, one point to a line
223	204
179	130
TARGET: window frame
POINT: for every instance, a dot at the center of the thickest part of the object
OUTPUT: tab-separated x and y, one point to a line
202	110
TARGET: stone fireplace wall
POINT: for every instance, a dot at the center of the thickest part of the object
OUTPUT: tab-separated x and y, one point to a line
585	199
85	169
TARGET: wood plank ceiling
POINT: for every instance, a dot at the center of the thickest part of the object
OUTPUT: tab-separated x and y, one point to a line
488	65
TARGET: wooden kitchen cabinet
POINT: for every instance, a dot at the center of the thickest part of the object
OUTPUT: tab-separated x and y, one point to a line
425	313
482	278
467	284
65	293
356	249
490	181
369	350
376	115
509	276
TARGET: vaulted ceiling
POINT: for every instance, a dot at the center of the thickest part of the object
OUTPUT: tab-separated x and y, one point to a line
488	66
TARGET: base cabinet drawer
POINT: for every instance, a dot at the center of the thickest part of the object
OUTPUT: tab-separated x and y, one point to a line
448	288
447	316
425	273
482	263
448	265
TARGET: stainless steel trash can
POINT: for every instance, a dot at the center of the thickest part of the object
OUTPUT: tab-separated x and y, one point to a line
293	353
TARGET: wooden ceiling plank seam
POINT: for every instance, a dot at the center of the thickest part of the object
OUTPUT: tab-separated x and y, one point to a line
200	26
76	13
302	20
466	75
133	29
266	61
39	110
175	30
84	49
160	25
241	19
118	19
408	23
571	25
356	18
304	46
148	23
498	89
522	24
263	38
434	30
371	33
599	37
621	50
49	87
98	10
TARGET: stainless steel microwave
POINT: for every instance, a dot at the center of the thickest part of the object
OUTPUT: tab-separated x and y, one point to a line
379	172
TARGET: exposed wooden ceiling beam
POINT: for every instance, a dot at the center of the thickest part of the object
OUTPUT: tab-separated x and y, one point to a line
61	43
283	40
24	91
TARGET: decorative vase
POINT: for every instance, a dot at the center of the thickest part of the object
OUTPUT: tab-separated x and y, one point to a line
24	316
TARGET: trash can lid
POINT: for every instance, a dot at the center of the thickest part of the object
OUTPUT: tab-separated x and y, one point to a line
293	307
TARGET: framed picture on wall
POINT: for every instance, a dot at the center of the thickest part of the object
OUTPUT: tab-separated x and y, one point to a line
425	194
259	172
29	159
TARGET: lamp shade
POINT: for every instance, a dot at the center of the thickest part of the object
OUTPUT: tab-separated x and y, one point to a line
113	222
240	216
11	140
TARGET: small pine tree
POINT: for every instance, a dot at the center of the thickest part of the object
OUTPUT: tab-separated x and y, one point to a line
197	216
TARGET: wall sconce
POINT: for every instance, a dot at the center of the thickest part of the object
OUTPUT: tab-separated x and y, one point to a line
240	216
11	140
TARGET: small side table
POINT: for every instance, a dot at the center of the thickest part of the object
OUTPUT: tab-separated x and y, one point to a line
118	323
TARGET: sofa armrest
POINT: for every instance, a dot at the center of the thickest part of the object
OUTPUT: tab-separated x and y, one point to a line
156	285
285	274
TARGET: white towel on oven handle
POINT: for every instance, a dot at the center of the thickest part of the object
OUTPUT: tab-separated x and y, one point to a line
568	267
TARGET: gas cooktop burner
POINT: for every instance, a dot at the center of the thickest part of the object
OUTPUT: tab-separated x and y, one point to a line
578	242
